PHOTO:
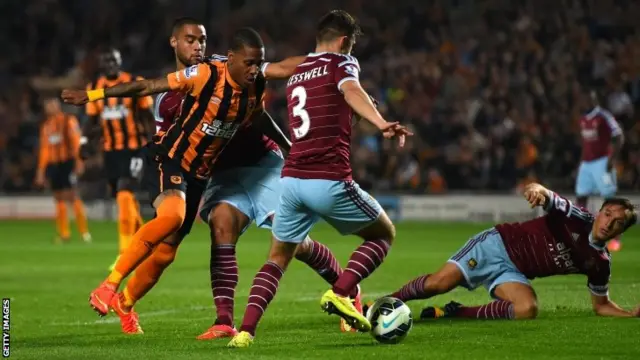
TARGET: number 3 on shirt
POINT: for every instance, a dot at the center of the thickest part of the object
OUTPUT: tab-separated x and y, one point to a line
298	111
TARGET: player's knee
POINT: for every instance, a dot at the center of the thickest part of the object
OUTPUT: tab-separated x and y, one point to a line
164	254
527	309
281	253
382	229
438	284
171	212
391	236
304	249
174	239
224	225
173	221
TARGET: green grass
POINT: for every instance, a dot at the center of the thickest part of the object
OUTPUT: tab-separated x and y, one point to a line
50	317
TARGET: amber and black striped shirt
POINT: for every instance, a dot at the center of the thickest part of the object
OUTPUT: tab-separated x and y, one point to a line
59	140
213	110
120	126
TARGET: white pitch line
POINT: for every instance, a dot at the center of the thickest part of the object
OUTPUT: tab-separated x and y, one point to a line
152	314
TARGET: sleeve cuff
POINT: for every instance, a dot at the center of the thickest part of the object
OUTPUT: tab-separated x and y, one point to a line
263	67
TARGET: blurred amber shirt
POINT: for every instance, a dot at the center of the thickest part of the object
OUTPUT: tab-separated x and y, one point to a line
59	140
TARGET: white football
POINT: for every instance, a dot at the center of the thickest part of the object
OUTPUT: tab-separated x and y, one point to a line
390	320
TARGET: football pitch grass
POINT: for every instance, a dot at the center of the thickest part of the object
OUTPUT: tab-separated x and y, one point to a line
50	317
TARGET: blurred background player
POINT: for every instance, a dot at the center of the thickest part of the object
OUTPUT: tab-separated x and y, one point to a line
317	178
125	126
602	140
567	240
59	165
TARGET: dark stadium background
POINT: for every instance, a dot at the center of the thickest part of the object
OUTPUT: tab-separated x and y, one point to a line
493	89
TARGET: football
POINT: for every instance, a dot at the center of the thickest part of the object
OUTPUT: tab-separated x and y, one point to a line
390	320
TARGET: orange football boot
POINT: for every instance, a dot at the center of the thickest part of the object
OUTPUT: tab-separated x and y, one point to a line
218	332
101	297
128	319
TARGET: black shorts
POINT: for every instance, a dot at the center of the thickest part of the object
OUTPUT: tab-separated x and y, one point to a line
162	174
122	164
61	175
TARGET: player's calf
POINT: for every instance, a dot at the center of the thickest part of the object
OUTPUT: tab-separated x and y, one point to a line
171	209
225	224
265	284
320	258
426	286
148	273
378	237
522	296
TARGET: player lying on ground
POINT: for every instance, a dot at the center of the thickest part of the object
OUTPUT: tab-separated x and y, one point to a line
567	240
317	180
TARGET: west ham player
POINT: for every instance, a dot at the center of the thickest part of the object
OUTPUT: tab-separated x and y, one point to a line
602	140
567	240
317	180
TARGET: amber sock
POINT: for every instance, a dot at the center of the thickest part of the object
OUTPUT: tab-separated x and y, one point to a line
127	218
147	273
81	216
170	215
62	220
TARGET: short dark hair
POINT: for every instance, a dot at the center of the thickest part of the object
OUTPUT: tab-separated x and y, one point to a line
627	205
335	24
245	37
182	21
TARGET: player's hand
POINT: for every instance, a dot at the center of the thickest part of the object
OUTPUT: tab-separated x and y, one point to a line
79	168
535	194
394	129
609	164
75	97
39	180
85	152
636	312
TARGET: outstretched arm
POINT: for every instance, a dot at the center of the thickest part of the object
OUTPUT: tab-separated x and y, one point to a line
537	195
282	69
129	89
190	79
603	306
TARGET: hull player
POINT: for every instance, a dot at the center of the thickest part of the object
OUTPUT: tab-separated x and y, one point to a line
60	164
567	240
125	127
602	140
222	96
316	178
